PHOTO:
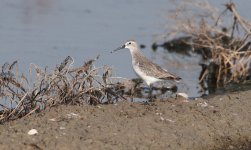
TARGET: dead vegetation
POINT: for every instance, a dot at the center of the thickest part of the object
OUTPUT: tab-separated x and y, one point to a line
223	39
65	85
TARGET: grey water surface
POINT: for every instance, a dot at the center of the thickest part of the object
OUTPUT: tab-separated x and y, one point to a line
44	32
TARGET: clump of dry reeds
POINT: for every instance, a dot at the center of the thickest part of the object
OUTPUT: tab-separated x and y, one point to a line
224	37
65	85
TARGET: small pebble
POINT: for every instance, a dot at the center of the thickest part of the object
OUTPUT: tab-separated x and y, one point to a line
162	119
184	95
70	115
170	120
61	128
52	119
32	132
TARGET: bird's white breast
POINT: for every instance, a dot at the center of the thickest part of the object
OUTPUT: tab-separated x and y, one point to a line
148	79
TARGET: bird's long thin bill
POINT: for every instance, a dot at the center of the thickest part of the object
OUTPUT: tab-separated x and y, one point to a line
117	49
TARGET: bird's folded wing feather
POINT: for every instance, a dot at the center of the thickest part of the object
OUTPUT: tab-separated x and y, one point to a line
155	70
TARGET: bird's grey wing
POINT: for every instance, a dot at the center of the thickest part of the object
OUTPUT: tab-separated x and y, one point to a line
155	70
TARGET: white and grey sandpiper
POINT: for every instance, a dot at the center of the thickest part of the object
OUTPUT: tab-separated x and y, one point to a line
144	67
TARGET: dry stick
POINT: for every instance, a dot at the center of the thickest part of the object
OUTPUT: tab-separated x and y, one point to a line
83	92
227	58
219	73
203	76
242	68
32	111
110	92
245	43
218	18
88	75
19	111
96	99
232	8
20	102
114	77
235	26
4	107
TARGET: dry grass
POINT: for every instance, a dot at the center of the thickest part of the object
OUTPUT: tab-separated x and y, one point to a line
225	37
65	85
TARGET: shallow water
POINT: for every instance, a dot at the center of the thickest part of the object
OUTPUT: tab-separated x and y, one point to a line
44	32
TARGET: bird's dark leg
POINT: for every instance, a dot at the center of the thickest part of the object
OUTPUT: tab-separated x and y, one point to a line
150	96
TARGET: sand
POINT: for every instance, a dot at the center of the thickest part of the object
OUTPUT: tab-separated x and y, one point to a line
218	122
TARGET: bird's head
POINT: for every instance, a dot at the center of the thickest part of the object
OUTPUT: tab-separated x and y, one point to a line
131	45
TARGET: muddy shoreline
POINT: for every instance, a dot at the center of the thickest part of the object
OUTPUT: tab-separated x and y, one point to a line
219	122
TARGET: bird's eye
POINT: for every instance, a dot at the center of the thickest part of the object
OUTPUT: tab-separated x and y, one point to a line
129	43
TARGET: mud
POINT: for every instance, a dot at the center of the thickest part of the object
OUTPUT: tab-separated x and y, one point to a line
219	122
